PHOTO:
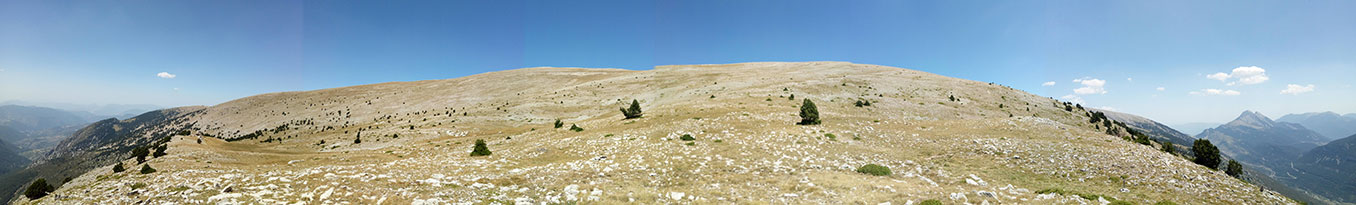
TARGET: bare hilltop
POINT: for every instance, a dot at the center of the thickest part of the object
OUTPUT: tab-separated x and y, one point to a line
709	134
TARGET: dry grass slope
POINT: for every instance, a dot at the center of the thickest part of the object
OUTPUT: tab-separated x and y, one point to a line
416	137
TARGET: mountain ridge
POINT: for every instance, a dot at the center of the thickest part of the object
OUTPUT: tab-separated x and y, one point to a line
406	142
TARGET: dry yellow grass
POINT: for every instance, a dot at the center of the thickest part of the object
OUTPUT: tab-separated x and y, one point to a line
748	149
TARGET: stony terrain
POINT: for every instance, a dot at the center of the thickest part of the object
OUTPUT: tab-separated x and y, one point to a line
993	144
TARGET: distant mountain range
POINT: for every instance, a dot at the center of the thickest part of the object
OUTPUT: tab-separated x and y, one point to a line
1330	124
100	111
1290	152
1195	128
1254	139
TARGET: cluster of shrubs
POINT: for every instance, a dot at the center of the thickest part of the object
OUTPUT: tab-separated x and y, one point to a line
861	103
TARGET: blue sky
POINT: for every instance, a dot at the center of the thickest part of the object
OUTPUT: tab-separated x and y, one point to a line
111	51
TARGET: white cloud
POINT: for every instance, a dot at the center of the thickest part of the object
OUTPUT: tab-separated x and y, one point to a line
1297	89
1090	86
1215	92
1051	83
1160	88
164	75
1219	76
1072	99
1130	79
1107	108
1245	75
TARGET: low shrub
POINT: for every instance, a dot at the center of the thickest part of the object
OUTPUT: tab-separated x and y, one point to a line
874	170
146	169
687	137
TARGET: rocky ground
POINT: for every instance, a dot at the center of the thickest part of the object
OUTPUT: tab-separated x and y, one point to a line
992	145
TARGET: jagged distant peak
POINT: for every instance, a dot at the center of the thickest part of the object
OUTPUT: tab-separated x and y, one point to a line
1250	117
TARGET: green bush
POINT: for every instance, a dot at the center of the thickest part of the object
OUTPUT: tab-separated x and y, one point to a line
140	153
931	202
1167	147
146	169
1206	153
118	168
633	111
1165	203
576	128
559	124
809	114
38	189
480	149
1233	169
687	137
831	136
873	169
159	151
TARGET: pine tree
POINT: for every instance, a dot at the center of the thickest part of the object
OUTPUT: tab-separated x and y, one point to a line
559	124
38	189
809	114
118	168
1206	153
358	139
140	153
1233	169
633	111
480	149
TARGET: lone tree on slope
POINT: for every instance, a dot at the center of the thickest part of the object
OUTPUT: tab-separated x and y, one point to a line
809	114
480	149
38	189
633	111
1233	169
1206	153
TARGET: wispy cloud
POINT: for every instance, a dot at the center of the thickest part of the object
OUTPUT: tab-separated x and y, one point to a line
1160	88
1090	86
164	75
1245	75
1294	89
1216	92
1051	83
1073	99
